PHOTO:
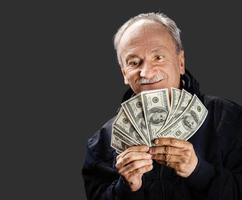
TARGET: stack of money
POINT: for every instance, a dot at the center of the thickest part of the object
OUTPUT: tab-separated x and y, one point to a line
152	114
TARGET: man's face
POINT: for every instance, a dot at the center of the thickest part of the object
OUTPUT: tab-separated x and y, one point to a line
149	57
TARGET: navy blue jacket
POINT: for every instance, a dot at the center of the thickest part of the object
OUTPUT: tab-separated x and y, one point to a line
218	146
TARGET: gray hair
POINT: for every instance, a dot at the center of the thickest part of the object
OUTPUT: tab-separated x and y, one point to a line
161	18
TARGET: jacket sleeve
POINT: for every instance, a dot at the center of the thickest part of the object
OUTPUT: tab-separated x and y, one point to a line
221	177
101	179
217	181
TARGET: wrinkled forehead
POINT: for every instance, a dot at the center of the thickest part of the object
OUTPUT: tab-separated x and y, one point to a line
140	28
144	33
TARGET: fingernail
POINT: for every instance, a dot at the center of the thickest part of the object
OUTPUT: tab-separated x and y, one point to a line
156	141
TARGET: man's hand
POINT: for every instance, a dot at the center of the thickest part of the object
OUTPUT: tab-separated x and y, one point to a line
132	164
175	153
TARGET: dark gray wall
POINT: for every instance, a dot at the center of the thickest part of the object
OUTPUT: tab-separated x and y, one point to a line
68	83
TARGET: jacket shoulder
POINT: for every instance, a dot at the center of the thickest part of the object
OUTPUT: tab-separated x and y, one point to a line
224	104
223	111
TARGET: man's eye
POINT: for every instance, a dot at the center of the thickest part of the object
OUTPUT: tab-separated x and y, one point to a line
159	58
133	63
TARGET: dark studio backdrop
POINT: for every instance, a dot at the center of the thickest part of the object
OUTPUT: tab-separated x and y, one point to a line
68	83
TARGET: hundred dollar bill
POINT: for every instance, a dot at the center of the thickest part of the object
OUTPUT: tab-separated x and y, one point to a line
133	109
126	128
188	123
118	151
184	100
117	143
175	96
156	108
123	137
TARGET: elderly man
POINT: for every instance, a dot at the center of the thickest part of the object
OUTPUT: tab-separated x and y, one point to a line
207	166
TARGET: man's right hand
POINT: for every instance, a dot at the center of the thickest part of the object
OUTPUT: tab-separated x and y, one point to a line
132	164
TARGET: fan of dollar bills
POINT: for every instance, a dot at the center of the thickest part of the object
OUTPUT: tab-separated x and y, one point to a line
151	114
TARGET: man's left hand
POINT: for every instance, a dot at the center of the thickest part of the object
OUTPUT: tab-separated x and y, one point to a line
175	153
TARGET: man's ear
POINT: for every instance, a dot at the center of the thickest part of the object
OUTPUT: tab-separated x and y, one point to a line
124	76
181	62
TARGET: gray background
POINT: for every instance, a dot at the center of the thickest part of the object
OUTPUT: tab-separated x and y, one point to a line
63	81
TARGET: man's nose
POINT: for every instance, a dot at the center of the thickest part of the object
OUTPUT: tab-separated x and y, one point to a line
146	70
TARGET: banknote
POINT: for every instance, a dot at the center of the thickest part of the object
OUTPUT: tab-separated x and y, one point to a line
133	109
175	96
156	107
185	98
123	125
156	113
117	143
187	123
123	136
